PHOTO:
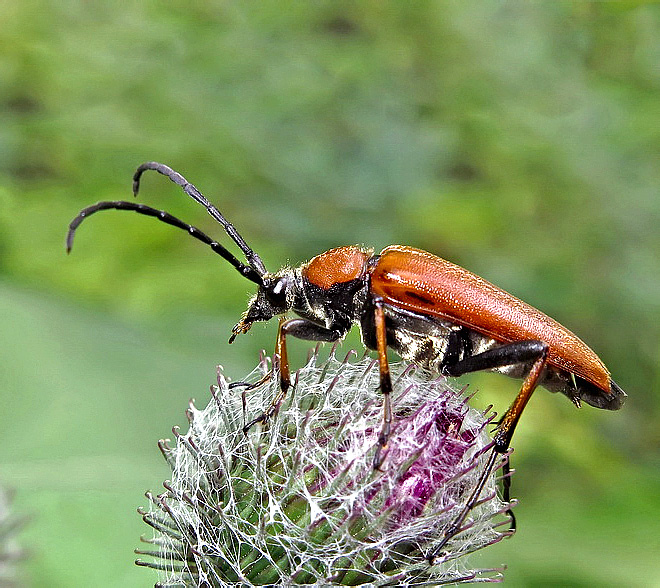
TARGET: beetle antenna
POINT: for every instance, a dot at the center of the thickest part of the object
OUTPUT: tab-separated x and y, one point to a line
253	259
249	272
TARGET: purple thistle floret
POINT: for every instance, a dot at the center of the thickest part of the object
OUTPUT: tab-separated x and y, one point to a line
437	434
298	502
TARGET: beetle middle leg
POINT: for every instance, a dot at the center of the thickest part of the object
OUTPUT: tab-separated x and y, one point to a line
385	380
504	355
300	329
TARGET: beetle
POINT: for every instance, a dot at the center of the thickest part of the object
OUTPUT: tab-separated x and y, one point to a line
427	310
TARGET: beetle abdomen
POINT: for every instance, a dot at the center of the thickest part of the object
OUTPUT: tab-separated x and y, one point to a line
415	280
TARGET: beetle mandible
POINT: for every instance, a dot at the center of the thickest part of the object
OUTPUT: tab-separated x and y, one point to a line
428	310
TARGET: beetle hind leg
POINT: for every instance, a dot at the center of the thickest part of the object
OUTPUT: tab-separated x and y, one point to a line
504	355
520	352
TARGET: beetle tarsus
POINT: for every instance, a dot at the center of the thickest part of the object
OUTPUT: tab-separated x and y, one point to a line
264	417
379	457
455	527
274	407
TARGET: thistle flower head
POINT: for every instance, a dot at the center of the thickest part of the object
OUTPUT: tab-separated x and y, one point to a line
298	502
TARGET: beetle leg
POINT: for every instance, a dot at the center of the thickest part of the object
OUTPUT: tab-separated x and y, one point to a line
509	354
251	386
301	329
504	355
282	361
385	380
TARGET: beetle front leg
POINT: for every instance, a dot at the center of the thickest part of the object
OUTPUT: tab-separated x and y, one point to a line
282	361
385	380
300	329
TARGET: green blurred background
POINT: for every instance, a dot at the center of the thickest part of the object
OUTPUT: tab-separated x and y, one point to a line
518	139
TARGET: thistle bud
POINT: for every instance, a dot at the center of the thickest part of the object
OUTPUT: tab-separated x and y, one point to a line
296	500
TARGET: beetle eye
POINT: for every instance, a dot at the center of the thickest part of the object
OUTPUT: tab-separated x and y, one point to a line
277	292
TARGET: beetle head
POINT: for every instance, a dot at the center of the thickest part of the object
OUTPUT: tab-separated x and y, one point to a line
275	296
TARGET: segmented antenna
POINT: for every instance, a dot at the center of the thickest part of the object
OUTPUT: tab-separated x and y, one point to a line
249	272
253	259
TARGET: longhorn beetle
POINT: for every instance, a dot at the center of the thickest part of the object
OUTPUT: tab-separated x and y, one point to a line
428	310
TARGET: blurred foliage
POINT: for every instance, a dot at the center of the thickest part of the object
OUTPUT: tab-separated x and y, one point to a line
519	139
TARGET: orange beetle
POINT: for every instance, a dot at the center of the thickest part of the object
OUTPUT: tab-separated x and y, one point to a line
428	310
